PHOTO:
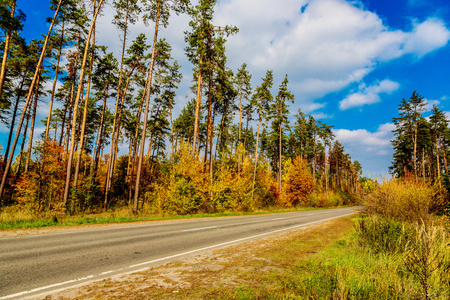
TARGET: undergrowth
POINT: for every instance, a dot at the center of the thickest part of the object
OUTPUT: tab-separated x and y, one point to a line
10	218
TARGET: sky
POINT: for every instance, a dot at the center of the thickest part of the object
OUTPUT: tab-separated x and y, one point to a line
349	63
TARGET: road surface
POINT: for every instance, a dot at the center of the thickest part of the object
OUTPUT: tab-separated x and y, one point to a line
42	263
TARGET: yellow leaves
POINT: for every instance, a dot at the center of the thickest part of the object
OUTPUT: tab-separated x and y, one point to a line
405	200
299	183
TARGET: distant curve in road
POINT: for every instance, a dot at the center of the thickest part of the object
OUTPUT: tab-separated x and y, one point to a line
42	263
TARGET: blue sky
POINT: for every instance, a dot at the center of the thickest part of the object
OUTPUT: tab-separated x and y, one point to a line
349	62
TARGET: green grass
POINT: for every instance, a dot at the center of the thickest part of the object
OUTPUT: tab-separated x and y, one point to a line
11	218
344	269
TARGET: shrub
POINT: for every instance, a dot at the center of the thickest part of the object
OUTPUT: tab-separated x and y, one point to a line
299	183
184	190
403	200
325	200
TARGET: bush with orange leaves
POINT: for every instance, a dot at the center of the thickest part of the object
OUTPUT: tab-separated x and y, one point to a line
42	188
298	183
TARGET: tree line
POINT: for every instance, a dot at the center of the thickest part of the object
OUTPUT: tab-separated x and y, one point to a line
420	143
190	162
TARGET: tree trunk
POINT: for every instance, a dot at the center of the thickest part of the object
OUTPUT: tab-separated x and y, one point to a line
444	154
85	111
74	119
13	120
256	156
33	121
437	158
50	108
197	108
112	156
135	144
100	134
30	92
147	104
240	125
19	161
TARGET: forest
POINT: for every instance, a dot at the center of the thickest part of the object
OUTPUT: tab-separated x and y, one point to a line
232	147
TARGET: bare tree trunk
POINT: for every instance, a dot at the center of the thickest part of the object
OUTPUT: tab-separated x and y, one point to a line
100	134
71	96
135	144
256	156
55	79
85	111
112	156
197	108
13	120
33	121
240	125
147	105
30	92
74	119
437	159
19	161
444	153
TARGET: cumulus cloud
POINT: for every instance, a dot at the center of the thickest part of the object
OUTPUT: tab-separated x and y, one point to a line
369	95
324	45
371	149
369	141
427	37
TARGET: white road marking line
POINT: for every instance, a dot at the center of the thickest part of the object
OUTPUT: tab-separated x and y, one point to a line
236	241
172	256
47	287
278	219
197	229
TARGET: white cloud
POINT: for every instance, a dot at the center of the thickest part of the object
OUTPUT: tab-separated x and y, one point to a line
427	37
369	95
360	136
430	103
323	48
365	140
371	149
322	116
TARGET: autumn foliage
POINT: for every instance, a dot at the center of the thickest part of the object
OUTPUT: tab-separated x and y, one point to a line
299	183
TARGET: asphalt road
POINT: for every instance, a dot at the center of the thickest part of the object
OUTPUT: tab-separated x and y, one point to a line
42	263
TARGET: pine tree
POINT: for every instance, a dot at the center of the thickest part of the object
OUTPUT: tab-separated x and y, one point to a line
279	113
30	93
243	78
157	11
10	23
406	135
439	127
262	99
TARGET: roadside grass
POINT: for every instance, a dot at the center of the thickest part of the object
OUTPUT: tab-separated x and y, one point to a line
13	218
326	261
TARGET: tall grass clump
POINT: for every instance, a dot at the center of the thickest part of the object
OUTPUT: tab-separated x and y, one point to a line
399	222
407	201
